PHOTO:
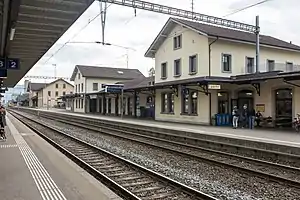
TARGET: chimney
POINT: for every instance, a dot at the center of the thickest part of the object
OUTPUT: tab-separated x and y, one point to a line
291	42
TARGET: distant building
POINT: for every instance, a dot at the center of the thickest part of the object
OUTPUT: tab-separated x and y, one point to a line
90	80
46	95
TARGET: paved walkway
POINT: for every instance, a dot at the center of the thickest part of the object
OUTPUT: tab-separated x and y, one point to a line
31	169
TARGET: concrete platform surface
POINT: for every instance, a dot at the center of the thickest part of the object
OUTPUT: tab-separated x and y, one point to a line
31	169
273	136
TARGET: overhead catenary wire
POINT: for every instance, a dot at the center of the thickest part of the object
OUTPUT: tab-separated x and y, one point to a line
76	34
247	7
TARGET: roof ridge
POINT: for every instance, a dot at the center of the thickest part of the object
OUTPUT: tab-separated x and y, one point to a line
105	67
213	25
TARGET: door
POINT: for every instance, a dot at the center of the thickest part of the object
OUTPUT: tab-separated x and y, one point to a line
284	107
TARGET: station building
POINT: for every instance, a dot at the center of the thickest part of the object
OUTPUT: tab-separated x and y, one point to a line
200	71
90	81
203	70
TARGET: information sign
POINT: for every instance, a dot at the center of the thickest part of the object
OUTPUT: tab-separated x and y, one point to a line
2	63
9	63
214	87
12	63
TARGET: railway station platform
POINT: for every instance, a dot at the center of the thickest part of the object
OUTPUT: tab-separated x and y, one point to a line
31	169
273	136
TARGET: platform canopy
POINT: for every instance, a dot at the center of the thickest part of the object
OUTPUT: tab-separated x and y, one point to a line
30	27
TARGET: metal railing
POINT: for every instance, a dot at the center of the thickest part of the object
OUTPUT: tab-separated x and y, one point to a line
273	67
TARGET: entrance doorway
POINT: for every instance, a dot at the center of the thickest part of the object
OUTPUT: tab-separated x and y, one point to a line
284	107
93	105
245	97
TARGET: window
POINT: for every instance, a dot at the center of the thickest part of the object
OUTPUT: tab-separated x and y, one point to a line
185	101
226	63
81	87
189	102
249	65
49	93
164	70
56	93
193	64
177	67
64	93
95	86
289	66
64	86
56	85
76	88
164	105
177	42
167	103
194	102
78	75
76	102
270	65
81	103
223	103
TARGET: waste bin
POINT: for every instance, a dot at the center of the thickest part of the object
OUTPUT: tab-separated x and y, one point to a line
223	119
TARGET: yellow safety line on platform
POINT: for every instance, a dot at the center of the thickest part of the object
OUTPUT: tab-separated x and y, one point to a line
45	184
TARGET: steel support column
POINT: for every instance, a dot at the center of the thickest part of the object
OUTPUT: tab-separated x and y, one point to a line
134	104
257	30
103	9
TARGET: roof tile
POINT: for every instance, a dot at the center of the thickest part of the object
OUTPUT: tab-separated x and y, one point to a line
236	35
109	72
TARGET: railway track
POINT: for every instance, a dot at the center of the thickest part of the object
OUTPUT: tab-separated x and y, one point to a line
127	179
283	155
272	171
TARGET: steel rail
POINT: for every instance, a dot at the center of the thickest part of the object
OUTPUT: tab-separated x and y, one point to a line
119	189
181	137
83	123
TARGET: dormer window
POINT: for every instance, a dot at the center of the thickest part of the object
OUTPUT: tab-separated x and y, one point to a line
177	42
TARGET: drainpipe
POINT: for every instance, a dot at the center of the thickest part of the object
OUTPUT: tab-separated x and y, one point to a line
85	100
209	56
209	75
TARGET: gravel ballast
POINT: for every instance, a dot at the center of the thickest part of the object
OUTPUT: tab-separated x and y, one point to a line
223	183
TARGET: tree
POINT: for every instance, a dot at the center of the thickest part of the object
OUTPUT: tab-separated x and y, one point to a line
151	72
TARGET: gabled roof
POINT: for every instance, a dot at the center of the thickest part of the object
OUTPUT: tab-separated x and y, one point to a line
219	32
106	72
139	83
39	86
36	86
60	79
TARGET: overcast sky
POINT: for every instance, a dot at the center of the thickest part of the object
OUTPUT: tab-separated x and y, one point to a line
278	18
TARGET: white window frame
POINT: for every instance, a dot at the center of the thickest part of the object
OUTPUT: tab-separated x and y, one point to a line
196	64
179	68
268	65
164	65
177	42
230	62
288	64
246	65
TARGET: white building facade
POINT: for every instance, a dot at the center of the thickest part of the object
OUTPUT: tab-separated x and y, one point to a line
89	82
46	95
206	70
